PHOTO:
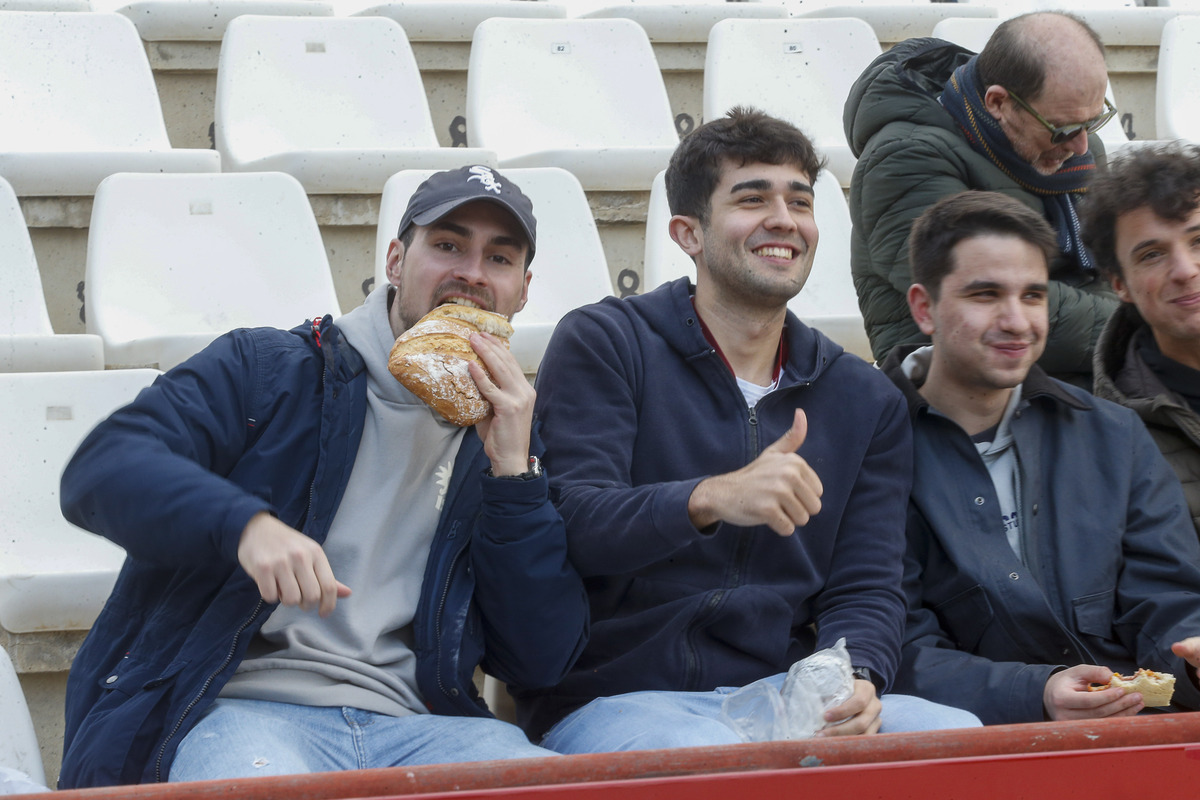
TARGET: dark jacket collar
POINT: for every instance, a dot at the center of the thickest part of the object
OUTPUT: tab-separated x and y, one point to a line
669	310
1036	386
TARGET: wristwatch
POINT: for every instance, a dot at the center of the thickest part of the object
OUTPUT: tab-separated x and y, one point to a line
534	471
865	674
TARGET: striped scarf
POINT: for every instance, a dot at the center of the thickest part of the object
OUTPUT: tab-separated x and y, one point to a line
1059	192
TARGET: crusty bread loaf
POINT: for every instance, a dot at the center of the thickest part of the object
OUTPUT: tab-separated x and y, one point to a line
1156	688
431	358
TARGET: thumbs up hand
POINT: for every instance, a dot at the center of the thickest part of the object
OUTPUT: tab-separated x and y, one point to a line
778	489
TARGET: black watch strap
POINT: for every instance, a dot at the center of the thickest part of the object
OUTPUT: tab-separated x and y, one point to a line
865	674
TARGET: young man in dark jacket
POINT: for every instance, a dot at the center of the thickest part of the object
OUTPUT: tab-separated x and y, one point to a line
929	119
732	482
1049	545
316	561
1142	222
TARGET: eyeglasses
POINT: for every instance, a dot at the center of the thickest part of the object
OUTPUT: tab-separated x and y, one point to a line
1064	133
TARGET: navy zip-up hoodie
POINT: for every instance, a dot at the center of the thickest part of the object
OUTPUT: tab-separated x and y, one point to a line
637	408
268	420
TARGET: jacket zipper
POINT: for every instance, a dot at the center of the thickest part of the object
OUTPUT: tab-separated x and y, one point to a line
741	555
437	620
203	689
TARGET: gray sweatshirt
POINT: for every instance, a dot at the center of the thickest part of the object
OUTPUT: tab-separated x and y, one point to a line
361	655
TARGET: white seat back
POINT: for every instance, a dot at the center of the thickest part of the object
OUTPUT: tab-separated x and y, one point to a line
455	20
336	102
53	576
27	340
583	94
174	261
78	102
569	269
22	303
811	64
1177	110
687	22
18	740
827	301
70	81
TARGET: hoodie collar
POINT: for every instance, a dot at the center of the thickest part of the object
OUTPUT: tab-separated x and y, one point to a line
809	352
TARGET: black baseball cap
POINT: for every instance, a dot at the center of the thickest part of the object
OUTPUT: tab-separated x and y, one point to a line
442	192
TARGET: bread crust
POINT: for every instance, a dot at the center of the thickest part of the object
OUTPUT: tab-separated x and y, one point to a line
1156	688
430	359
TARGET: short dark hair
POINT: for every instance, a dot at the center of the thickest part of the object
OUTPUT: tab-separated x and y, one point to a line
1164	176
744	136
967	215
1012	59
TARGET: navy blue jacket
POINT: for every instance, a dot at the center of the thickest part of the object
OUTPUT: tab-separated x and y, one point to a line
268	420
637	408
1111	574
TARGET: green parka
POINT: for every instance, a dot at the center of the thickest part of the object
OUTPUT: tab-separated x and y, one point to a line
911	153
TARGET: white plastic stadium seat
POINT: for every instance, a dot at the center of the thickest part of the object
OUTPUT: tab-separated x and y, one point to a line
456	20
1177	109
174	261
973	34
582	94
53	576
78	103
827	302
202	20
45	5
569	269
812	63
18	740
895	22
686	22
338	103
28	343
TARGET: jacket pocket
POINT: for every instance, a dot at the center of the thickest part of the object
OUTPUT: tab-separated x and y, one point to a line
966	616
120	733
1094	614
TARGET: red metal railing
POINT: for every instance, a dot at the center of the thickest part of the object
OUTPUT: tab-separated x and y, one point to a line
1134	743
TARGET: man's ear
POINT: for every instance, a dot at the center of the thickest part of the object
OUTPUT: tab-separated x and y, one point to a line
524	293
920	305
1121	288
687	234
993	99
395	260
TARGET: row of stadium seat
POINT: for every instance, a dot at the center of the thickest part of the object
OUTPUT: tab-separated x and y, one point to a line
339	102
175	260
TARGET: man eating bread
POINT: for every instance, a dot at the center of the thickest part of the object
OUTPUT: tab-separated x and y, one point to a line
1049	544
317	559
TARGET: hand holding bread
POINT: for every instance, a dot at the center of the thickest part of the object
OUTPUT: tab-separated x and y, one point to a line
431	359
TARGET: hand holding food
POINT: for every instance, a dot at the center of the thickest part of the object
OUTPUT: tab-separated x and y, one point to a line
1155	688
431	359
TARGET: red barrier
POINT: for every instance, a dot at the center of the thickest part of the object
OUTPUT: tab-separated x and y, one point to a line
1127	740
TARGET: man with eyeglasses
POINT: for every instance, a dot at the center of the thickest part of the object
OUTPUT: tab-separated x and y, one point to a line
929	119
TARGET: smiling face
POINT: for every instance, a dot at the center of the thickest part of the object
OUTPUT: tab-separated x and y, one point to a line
1160	265
473	255
989	322
758	243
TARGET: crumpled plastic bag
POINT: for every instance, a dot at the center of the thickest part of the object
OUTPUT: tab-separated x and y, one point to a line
14	781
761	713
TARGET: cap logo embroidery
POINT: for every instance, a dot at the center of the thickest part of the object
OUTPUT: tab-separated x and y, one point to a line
485	176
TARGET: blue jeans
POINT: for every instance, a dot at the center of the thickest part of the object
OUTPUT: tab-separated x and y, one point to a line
248	738
653	720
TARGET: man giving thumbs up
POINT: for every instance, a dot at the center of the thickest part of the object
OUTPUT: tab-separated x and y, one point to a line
733	483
